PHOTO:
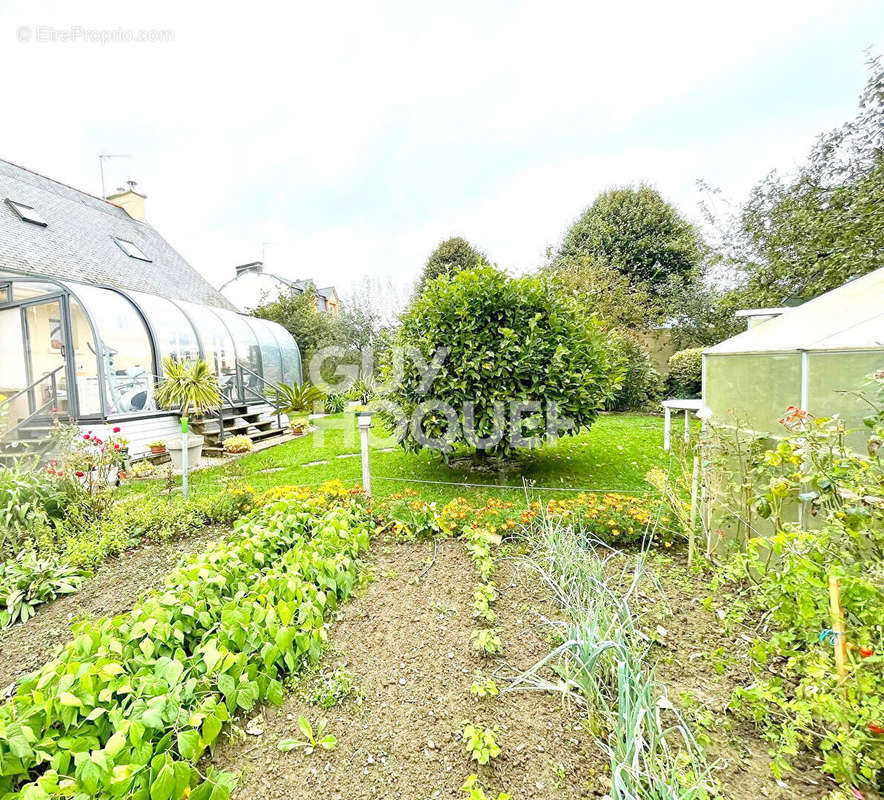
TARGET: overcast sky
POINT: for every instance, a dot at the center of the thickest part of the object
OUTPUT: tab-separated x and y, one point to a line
352	137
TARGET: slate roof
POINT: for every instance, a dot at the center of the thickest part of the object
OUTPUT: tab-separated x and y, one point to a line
78	242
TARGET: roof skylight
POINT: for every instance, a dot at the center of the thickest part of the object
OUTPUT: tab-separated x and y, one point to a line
26	213
131	249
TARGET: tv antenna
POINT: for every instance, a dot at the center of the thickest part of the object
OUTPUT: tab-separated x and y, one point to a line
101	159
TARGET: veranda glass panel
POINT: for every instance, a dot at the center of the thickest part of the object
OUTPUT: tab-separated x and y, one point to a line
271	358
218	346
248	351
288	350
26	290
125	351
174	334
13	373
85	361
835	385
752	391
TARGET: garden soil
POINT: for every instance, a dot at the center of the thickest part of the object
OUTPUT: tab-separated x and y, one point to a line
406	640
113	589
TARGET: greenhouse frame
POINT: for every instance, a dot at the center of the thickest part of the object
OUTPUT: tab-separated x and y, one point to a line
816	357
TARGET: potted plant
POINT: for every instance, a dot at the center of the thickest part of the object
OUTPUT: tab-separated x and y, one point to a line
157	448
187	386
298	425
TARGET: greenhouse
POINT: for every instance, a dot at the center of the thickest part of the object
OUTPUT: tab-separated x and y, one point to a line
95	354
816	356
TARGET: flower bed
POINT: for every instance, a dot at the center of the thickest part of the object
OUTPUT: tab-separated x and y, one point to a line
613	518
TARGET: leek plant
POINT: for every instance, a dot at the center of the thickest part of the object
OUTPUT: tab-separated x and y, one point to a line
603	662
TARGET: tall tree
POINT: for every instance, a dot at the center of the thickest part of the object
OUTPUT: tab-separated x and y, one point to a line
635	230
800	235
450	257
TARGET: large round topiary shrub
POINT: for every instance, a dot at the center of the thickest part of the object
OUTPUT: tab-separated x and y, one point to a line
514	355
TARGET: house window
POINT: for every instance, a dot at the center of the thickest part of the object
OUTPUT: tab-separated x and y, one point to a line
26	213
131	249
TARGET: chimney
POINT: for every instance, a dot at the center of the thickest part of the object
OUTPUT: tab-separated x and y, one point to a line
130	201
245	269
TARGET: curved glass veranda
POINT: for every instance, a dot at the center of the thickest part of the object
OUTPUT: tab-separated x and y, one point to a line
95	352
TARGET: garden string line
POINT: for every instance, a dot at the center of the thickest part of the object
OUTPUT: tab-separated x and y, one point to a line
529	487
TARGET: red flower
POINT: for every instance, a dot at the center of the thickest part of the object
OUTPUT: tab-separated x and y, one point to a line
60	473
116	430
98	441
86	436
79	474
875	728
116	447
123	476
51	471
865	652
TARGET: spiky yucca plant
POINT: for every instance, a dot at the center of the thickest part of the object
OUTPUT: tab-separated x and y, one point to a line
188	386
293	398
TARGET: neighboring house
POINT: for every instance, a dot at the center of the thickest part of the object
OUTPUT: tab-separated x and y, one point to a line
252	287
92	299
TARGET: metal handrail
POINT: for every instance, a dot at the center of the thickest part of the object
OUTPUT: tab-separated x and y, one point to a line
274	402
32	386
52	402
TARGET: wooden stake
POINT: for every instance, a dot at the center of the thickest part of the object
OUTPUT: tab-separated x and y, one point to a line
838	630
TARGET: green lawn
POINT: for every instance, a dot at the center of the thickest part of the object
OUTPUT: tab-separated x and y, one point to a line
613	455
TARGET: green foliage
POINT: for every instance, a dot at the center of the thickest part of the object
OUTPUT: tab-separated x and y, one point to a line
615	301
334	403
796	700
486	642
131	704
481	743
508	339
602	656
312	740
483	596
450	257
484	687
642	386
293	398
28	581
686	373
29	500
335	687
362	391
476	792
638	233
188	386
804	234
297	313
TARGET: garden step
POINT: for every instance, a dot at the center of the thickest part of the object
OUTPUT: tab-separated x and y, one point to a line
279	436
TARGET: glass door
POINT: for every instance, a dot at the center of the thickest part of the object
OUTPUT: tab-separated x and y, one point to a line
13	372
44	326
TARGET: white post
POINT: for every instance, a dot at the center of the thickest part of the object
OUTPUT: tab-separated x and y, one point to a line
687	424
667	426
364	420
184	465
